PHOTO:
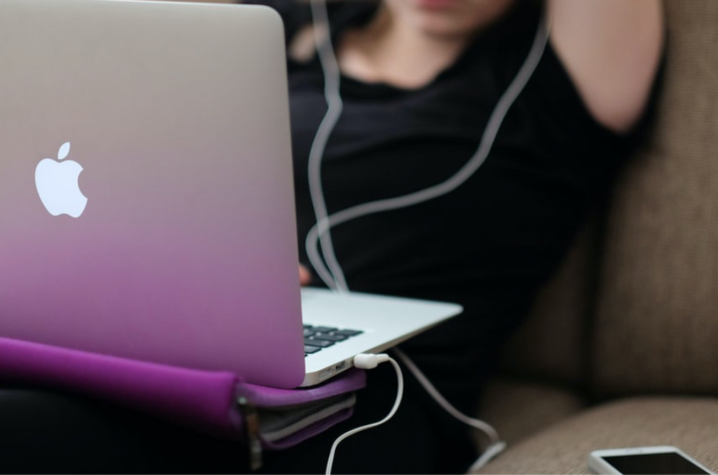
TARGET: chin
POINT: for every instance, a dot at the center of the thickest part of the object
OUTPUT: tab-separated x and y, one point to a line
449	18
442	28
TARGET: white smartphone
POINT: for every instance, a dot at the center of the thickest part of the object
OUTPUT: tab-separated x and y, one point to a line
663	459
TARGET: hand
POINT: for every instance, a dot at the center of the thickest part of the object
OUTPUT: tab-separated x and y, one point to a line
305	278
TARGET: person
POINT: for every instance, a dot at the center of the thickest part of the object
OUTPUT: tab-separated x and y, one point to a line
419	79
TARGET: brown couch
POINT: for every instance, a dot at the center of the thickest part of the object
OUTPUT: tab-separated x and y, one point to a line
622	347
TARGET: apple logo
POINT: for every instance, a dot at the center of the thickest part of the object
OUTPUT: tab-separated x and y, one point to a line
57	184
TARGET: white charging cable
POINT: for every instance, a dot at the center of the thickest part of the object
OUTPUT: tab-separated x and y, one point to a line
368	361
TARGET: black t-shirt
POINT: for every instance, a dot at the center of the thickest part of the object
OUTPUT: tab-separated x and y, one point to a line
490	244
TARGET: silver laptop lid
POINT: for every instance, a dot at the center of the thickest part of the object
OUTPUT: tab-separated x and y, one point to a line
183	245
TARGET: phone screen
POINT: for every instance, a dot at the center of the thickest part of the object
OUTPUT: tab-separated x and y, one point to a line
665	463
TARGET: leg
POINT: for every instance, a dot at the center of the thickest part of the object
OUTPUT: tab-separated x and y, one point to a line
49	432
52	432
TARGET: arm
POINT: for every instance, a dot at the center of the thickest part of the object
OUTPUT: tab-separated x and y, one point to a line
611	49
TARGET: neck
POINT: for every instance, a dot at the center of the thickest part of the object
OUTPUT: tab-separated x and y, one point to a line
391	50
396	32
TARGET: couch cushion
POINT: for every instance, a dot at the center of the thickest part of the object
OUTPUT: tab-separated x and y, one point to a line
657	319
690	424
518	409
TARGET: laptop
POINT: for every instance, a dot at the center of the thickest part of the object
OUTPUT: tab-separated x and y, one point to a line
146	195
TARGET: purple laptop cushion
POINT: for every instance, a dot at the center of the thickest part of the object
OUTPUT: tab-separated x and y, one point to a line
202	400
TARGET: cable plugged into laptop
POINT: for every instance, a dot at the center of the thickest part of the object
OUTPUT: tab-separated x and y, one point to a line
368	361
371	361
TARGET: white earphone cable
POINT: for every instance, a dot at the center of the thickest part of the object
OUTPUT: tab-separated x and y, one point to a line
496	445
333	278
321	230
481	425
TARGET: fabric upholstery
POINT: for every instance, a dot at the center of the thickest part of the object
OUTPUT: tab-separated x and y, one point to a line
690	424
519	409
657	319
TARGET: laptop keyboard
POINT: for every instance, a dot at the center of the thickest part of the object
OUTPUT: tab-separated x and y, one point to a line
316	338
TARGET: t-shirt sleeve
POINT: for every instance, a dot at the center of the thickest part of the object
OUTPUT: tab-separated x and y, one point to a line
555	116
295	14
561	110
568	144
564	111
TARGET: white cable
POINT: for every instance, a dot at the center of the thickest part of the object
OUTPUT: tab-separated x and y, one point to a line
371	362
489	454
325	223
476	423
334	279
496	445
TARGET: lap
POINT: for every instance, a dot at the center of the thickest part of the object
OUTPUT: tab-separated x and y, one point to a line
53	432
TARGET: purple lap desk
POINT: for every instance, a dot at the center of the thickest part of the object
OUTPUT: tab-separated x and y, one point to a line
205	401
